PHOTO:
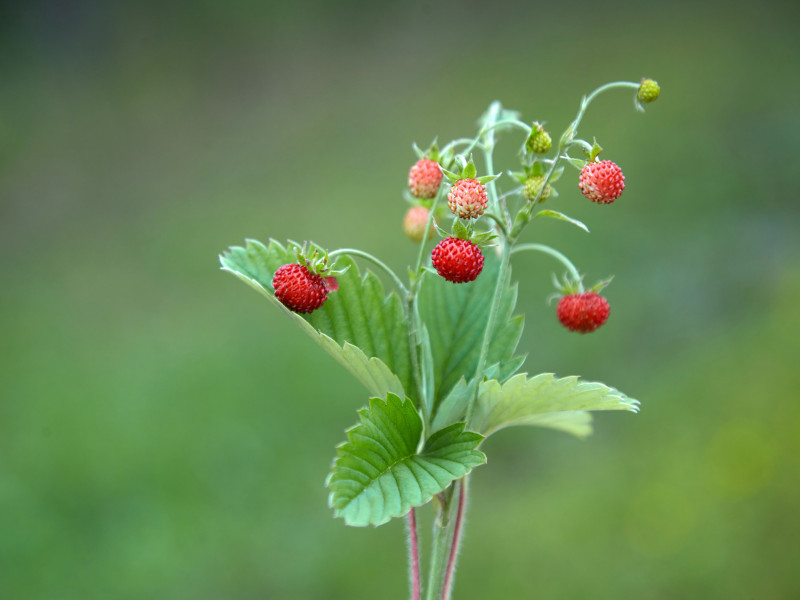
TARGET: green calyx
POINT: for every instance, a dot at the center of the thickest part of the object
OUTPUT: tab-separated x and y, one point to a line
315	259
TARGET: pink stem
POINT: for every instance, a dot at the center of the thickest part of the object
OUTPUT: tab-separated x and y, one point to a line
414	558
451	561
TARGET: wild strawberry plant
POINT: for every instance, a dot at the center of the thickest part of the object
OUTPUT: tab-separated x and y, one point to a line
437	353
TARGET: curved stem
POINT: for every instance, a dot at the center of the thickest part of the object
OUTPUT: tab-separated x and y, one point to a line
552	252
587	100
374	260
413	555
499	222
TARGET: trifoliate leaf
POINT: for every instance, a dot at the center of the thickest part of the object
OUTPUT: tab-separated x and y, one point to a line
546	401
359	314
379	472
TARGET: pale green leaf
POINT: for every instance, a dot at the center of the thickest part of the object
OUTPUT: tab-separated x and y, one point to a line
546	401
359	325
554	214
380	473
456	316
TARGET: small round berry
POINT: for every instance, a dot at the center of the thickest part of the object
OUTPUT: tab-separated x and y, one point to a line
415	222
467	198
648	91
298	289
582	312
424	178
331	283
532	187
602	181
457	260
539	141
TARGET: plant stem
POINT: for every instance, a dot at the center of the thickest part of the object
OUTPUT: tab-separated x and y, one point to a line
443	535
490	323
552	252
353	252
413	555
454	546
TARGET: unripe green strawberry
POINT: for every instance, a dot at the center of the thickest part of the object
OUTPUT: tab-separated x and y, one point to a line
532	187
648	91
602	181
467	198
582	312
299	289
539	141
415	222
424	178
457	260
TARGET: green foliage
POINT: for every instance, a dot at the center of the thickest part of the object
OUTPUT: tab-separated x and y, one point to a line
380	473
546	401
359	325
456	317
554	214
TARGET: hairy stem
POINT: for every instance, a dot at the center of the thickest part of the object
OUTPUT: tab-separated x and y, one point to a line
455	544
443	535
413	555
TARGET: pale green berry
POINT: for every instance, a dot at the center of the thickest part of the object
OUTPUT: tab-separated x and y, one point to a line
532	187
648	91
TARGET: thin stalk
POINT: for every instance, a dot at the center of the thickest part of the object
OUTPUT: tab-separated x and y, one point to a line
456	543
353	252
490	323
443	535
552	252
413	555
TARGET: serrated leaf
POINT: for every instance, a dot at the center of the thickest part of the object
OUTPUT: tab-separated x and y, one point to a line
357	323
379	473
456	316
546	401
561	217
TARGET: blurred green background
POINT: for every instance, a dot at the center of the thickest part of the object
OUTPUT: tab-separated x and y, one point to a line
161	435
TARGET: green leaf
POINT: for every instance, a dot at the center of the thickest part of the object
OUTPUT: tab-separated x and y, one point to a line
357	323
561	217
379	472
546	401
456	316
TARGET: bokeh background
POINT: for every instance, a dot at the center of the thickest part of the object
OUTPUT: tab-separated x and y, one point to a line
164	433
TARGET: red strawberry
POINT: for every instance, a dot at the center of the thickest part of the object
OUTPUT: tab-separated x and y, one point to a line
602	181
457	260
299	289
582	312
467	198
424	178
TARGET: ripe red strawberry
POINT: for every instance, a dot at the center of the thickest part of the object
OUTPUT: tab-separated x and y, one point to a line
457	260
602	181
298	289
582	312
424	178
467	198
